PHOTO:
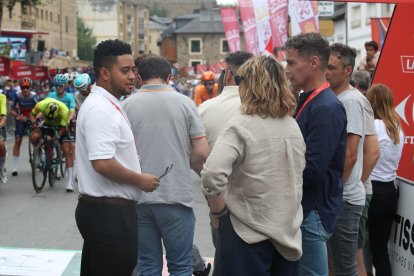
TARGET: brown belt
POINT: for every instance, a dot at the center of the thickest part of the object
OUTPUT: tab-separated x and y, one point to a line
108	200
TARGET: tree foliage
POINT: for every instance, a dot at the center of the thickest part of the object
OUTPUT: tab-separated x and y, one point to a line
86	41
158	9
11	3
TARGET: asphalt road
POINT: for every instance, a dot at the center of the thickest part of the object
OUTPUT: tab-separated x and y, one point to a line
46	220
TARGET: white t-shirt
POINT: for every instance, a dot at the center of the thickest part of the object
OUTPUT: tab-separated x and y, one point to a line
386	167
103	132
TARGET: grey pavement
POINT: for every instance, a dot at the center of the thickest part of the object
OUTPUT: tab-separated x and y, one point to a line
46	220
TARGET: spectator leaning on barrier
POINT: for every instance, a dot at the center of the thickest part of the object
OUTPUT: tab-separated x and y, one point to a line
322	120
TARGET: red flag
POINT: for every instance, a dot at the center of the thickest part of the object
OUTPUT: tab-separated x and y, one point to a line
231	27
278	13
249	26
379	28
39	72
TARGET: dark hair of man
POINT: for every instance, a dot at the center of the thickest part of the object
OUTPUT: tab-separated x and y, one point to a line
138	60
237	59
372	44
345	53
106	53
154	67
362	78
308	45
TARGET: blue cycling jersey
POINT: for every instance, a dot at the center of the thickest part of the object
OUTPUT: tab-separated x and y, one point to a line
68	99
24	105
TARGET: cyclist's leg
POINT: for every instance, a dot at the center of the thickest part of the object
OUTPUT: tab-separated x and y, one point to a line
35	136
65	146
19	132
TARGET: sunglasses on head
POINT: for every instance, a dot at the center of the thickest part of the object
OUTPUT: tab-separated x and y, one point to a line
238	79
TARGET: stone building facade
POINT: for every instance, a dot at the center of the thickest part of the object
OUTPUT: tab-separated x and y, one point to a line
57	18
126	20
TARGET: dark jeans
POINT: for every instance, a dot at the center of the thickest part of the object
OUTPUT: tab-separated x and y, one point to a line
110	238
380	217
242	259
216	241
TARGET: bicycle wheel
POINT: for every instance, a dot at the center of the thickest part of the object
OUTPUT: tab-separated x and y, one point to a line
30	151
59	161
52	168
39	171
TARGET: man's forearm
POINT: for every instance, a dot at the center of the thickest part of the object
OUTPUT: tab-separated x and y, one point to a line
349	165
372	153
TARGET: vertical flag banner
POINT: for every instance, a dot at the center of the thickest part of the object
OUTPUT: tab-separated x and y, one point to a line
379	28
231	27
249	26
278	13
264	31
303	16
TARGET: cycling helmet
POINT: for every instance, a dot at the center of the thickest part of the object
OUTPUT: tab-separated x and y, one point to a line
52	111
208	76
25	82
73	75
82	81
60	79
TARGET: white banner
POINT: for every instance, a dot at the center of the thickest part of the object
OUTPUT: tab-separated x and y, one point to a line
264	31
303	16
401	243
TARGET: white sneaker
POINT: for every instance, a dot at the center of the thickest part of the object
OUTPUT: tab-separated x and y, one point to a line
3	176
69	187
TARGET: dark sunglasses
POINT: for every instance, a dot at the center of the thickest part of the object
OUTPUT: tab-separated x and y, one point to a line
60	85
167	170
238	79
25	87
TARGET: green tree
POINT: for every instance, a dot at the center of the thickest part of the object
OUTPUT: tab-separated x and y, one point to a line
11	3
86	41
159	10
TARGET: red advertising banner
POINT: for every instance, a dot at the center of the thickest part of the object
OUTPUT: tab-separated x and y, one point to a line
21	71
396	69
4	66
248	18
39	72
278	13
217	67
231	27
200	69
379	28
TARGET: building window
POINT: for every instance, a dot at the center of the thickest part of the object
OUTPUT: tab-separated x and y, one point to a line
194	62
41	14
37	12
356	16
224	46
195	45
51	16
59	21
47	15
371	12
67	24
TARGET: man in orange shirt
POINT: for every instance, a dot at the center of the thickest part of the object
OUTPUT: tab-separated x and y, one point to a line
207	89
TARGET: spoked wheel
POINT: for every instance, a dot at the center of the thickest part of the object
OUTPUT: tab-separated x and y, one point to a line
30	151
59	161
39	169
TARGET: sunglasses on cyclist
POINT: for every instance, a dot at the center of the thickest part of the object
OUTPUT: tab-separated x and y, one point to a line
238	79
60	85
25	87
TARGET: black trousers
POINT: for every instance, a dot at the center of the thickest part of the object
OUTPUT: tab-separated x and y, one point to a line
110	234
380	217
238	258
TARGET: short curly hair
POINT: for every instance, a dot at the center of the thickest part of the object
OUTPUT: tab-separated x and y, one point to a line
106	52
310	44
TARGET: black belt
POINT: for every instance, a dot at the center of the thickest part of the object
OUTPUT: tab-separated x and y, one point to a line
108	200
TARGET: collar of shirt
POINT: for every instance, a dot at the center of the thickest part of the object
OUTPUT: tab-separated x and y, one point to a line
101	91
231	89
156	88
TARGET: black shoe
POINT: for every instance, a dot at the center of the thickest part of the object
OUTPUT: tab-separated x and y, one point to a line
15	173
205	272
69	190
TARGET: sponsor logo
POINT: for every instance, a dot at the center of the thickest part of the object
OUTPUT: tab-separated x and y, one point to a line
407	63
